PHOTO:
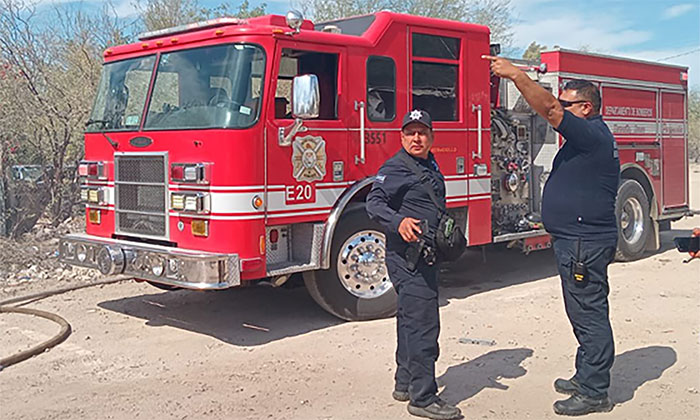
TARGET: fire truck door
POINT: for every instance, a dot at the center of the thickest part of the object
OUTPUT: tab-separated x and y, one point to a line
374	133
305	174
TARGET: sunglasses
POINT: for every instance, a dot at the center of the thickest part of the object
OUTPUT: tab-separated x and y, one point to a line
567	104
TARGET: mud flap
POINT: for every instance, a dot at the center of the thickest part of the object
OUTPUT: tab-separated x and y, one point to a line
653	241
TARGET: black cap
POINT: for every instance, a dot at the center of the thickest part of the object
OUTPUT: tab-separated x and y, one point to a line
417	116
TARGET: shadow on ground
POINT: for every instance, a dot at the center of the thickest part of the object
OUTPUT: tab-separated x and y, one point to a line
288	312
631	370
491	268
222	314
465	380
634	368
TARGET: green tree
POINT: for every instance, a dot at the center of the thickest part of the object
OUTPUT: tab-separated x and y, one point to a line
324	10
496	14
243	11
694	125
532	52
160	14
48	75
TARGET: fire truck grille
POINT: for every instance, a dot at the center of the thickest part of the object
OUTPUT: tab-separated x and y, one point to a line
141	188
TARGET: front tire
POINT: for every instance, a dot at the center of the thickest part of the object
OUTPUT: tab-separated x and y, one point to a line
357	285
634	224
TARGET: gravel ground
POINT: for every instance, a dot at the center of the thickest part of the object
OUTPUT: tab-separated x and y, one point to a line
257	353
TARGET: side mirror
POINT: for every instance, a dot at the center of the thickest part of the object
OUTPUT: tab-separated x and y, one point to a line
306	97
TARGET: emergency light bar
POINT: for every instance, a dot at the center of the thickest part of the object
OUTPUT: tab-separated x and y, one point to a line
211	23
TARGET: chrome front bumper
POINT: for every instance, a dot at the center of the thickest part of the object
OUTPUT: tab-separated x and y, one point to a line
173	266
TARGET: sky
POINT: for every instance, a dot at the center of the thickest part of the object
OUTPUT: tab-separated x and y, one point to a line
657	30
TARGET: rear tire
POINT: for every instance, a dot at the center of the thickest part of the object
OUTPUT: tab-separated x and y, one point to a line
634	224
357	285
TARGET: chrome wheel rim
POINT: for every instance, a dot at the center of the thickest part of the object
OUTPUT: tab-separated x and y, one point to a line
362	265
632	220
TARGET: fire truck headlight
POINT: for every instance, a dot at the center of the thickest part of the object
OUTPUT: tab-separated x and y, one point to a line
102	196
94	170
191	173
192	203
96	195
84	194
93	195
177	201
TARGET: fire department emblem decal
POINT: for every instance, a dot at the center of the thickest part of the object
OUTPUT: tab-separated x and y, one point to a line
309	158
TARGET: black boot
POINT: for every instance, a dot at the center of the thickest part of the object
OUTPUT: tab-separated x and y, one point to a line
401	396
566	386
438	410
579	404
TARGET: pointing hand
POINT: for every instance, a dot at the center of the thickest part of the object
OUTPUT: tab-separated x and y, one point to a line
502	67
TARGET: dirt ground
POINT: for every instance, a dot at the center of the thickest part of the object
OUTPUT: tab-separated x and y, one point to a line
138	352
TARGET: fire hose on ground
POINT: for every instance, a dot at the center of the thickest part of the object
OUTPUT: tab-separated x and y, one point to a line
63	333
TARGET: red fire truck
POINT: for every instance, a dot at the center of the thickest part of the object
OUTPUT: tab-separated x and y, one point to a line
229	151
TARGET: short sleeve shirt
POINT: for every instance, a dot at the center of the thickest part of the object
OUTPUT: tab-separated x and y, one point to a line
579	196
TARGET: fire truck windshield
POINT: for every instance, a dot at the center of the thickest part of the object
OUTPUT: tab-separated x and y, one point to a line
209	87
121	95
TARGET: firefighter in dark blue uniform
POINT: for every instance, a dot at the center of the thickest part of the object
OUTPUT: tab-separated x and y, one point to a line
400	203
578	211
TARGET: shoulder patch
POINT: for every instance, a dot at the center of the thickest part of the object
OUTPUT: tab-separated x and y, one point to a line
380	179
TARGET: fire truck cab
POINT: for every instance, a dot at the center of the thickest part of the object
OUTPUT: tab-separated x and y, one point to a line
233	150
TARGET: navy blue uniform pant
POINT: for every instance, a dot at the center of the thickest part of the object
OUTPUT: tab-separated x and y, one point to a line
586	304
417	329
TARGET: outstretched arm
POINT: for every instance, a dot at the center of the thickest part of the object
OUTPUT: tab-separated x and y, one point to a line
543	102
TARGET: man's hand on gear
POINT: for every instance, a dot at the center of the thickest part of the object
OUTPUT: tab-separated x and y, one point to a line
502	67
408	229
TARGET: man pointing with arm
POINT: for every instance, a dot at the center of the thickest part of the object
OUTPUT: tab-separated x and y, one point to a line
578	211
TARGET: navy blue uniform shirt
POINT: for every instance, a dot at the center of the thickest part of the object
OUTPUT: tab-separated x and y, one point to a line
397	193
579	196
